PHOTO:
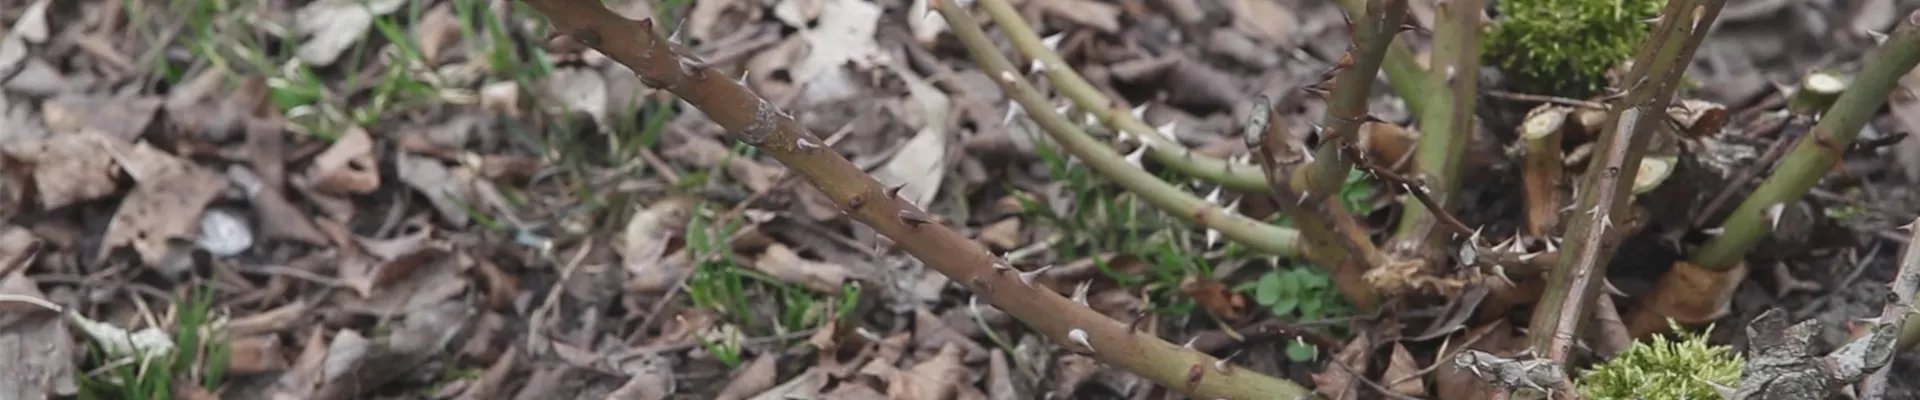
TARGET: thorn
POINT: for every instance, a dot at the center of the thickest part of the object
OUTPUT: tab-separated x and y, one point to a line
1222	365
1134	325
1000	266
807	143
1718	230
1027	277
1607	285
1062	109
1553	246
743	77
1137	155
1303	198
1189	344
1528	257
1507	246
1013	111
1008	77
1214	196
1080	292
1168	132
1596	209
1877	36
1079	336
894	192
1773	213
913	219
1213	237
1053	42
1139	112
1606	222
1501	272
1036	66
1233	207
1088	119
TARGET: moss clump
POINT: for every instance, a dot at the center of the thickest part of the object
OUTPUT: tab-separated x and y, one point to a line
1564	47
1664	369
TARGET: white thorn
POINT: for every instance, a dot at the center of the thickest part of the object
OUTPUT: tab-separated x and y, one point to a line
1213	237
1089	119
1214	196
1080	292
1027	277
1190	341
1303	198
1773	215
1501	272
1878	37
1062	109
1013	111
1036	66
1137	155
1123	136
1168	132
1595	210
1528	257
743	77
1606	222
1233	207
1053	42
807	143
1140	112
1079	336
1553	246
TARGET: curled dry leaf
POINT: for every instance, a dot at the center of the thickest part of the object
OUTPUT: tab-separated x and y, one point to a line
937	378
1403	373
1216	297
643	246
757	377
1003	235
782	263
348	166
333	26
845	34
165	204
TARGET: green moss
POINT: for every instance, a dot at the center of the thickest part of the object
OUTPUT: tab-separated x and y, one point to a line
1664	369
1564	47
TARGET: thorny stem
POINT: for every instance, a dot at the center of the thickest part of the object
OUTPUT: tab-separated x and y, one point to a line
1446	128
1256	234
1400	67
1403	72
1607	184
1819	150
752	119
1334	237
1142	354
1898	312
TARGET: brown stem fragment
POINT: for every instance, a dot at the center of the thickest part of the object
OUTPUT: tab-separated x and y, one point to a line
752	119
1606	187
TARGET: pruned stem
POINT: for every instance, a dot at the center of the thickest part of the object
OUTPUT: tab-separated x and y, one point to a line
1606	187
1819	151
752	119
1541	133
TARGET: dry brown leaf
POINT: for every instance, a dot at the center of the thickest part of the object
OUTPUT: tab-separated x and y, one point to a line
920	164
69	168
255	354
356	365
420	279
1216	297
333	26
711	19
348	166
490	383
279	218
704	152
38	349
931	333
782	263
1072	370
1403	373
807	386
933	379
757	377
165	205
1268	20
32	25
844	35
436	31
1342	382
1003	235
277	320
448	188
581	90
643	246
1099	15
302	379
122	118
1000	383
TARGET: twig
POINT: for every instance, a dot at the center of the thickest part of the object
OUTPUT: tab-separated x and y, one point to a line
1818	151
1606	189
1506	95
1893	316
752	119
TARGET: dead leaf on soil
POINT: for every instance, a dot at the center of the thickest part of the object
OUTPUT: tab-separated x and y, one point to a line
643	246
334	26
581	90
279	218
805	386
69	168
448	188
1343	381
1216	297
921	164
490	385
255	354
931	333
348	166
936	378
756	377
1099	15
118	117
1403	373
782	263
37	345
1271	21
165	205
703	152
1003	235
844	34
436	31
650	378
711	19
356	365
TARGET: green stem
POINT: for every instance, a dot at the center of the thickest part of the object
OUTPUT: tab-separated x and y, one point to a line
1448	126
1819	150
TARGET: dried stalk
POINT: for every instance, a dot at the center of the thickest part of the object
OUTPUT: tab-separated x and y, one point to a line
1447	127
1894	315
752	119
1606	189
1161	145
1820	150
